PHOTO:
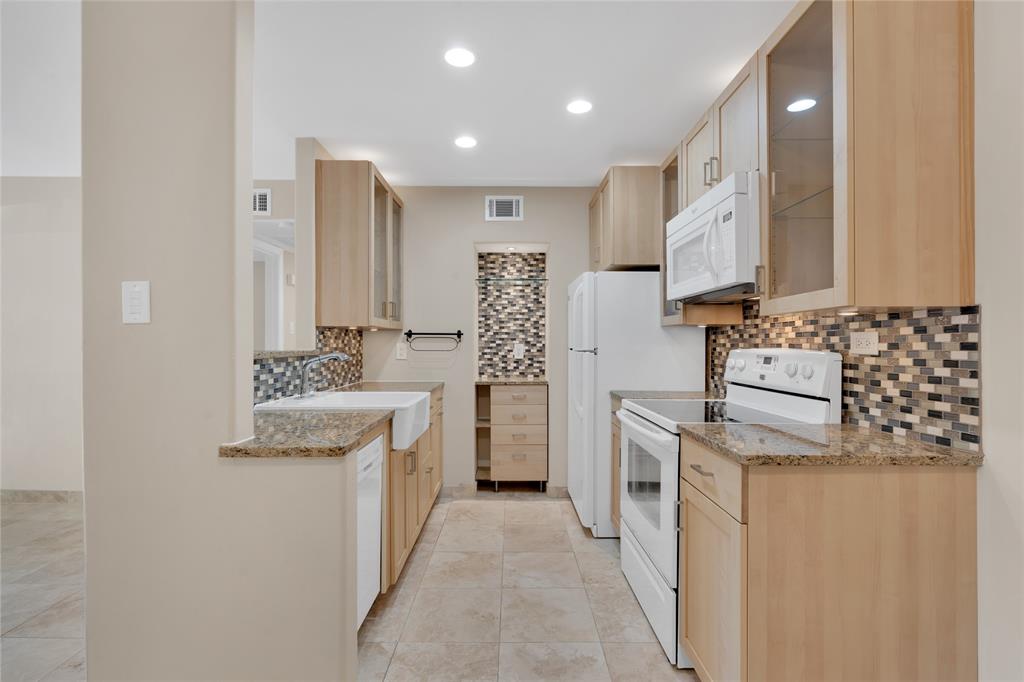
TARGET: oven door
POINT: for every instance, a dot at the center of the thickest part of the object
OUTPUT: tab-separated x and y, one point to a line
690	255
649	493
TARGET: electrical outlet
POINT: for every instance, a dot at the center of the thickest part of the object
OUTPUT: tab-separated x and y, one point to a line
402	351
864	343
518	350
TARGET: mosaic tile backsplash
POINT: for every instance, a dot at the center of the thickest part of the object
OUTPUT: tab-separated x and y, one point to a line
511	307
923	383
280	377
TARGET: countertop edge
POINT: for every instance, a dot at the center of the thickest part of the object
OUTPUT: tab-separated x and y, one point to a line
240	449
953	458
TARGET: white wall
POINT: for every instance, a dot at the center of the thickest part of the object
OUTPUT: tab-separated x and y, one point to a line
40	125
999	183
442	224
41	343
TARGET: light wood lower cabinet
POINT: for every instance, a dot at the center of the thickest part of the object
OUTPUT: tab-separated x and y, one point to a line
616	469
414	480
711	596
511	432
827	572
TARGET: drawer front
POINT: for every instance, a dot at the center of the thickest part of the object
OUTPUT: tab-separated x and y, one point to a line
519	414
519	395
519	463
719	478
519	435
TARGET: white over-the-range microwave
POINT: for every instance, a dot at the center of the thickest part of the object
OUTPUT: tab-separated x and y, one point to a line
712	247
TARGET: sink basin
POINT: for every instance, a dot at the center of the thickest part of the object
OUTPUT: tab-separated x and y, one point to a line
412	410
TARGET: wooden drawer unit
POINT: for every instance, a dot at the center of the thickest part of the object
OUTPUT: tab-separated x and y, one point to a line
532	434
511	433
519	462
519	414
721	479
519	395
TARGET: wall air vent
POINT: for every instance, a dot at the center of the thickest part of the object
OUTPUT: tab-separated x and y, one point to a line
503	208
261	202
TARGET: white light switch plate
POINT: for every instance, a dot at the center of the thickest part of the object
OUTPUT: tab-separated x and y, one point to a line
518	350
864	343
135	302
402	351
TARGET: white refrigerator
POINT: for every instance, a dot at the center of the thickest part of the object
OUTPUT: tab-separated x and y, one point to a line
617	342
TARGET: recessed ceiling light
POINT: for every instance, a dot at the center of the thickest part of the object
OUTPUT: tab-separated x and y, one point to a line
579	106
466	142
801	105
459	57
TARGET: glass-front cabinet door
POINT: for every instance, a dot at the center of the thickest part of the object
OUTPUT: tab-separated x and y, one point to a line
379	294
670	310
395	308
800	145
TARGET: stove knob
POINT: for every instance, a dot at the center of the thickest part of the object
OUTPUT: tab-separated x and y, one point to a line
807	371
790	369
730	363
741	364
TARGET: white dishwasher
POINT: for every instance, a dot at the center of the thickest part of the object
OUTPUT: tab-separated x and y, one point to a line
369	480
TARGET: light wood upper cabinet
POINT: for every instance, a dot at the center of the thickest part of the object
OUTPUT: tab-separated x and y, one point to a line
624	216
358	247
867	196
734	122
697	149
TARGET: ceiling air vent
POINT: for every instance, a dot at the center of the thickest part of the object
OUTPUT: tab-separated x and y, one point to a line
261	202
504	208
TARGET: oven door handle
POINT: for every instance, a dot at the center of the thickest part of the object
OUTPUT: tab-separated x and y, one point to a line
655	433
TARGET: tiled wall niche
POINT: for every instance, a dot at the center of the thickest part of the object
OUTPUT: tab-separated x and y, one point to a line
281	376
511	306
923	384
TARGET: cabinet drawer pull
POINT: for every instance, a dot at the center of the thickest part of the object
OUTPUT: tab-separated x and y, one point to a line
700	470
518	436
518	396
519	417
519	456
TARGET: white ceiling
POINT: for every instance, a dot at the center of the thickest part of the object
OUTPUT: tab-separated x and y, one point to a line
368	80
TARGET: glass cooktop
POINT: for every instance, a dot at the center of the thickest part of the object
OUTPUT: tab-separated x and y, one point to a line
669	413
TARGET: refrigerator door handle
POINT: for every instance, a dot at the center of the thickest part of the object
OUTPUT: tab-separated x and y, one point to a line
592	351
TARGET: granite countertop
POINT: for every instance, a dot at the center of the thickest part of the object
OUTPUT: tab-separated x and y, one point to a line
319	433
511	381
306	433
822	444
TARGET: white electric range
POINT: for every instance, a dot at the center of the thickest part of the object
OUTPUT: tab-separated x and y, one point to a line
776	386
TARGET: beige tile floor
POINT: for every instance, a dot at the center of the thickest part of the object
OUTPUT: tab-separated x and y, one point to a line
510	588
42	575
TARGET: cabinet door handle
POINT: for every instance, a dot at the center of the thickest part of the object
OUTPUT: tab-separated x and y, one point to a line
411	457
700	470
707	165
771	182
518	436
759	278
398	310
713	162
384	310
428	470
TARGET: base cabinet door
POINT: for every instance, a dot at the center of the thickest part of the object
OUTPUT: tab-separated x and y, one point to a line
399	549
712	591
412	497
437	454
424	463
